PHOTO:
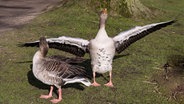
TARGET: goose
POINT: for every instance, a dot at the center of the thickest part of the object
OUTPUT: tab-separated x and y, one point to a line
102	48
54	71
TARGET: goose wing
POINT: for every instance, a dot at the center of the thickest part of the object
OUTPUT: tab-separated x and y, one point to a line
69	60
76	46
61	69
125	39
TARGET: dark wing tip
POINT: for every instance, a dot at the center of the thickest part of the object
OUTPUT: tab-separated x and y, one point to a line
20	45
33	44
68	48
169	22
173	21
133	39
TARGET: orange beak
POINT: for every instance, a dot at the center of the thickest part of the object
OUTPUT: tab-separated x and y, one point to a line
104	11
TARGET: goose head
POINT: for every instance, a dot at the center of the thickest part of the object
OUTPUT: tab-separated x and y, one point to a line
44	47
103	17
103	14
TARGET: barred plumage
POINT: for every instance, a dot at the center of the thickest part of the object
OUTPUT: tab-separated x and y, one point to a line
118	43
54	71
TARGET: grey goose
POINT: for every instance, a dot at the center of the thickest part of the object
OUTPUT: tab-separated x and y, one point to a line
102	48
54	71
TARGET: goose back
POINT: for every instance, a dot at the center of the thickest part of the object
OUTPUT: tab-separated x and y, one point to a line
52	72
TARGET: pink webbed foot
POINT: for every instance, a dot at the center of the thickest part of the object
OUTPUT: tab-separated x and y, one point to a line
55	100
109	84
49	95
45	96
95	84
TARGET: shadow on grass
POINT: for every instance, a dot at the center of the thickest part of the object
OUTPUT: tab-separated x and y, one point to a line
121	55
87	64
176	61
35	82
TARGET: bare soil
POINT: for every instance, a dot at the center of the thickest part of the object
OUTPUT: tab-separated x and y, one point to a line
15	13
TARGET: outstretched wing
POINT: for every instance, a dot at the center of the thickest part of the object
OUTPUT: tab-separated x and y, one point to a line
125	39
69	60
76	46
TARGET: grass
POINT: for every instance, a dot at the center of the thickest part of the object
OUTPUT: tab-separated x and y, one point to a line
134	70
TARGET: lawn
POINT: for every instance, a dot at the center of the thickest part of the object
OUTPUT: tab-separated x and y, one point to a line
138	73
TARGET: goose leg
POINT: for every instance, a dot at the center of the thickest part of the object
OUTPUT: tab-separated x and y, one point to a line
59	97
94	81
109	84
49	95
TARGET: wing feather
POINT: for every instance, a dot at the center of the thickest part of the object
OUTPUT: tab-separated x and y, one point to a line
76	46
125	39
60	69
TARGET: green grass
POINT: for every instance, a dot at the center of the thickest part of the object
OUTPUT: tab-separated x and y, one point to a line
139	63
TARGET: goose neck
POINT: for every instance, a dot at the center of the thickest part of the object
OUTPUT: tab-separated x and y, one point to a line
102	23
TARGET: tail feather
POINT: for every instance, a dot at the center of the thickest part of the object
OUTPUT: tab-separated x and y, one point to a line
84	81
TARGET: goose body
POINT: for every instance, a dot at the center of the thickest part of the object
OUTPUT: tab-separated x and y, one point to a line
52	71
102	55
102	48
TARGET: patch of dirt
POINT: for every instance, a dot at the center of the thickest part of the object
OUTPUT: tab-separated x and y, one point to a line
15	13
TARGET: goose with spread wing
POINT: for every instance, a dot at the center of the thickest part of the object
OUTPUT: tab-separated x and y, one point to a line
102	48
54	71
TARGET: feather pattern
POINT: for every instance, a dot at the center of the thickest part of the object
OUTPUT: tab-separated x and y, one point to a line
79	46
76	60
125	39
102	48
76	46
52	71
